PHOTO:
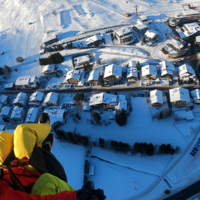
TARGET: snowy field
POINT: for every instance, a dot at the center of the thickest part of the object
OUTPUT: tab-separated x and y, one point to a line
24	25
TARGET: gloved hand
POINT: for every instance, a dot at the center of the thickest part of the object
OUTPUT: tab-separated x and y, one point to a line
83	194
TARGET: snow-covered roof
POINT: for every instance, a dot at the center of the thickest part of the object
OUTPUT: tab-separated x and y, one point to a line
184	115
56	115
179	94
32	115
156	96
103	98
6	111
17	112
195	94
51	97
124	31
132	63
93	75
140	25
113	69
122	103
185	68
73	74
150	34
191	28
94	38
131	72
149	70
176	43
2	128
187	11
167	65
48	68
20	98
24	80
82	59
197	38
3	98
9	85
36	96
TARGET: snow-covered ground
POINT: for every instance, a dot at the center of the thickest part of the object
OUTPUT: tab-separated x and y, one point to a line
24	25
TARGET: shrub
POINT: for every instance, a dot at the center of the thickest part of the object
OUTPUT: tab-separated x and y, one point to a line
55	58
96	117
20	59
121	118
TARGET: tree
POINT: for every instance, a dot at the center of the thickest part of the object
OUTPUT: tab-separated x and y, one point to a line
79	96
20	59
6	69
87	67
56	58
121	117
101	82
1	71
144	40
96	117
138	65
101	142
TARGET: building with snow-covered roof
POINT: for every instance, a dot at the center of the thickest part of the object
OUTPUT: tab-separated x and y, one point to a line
188	30
140	26
179	96
51	98
149	72
32	115
112	72
93	76
26	82
132	74
17	113
57	116
73	77
103	99
6	112
94	40
125	35
9	86
186	71
122	103
151	36
3	99
36	98
49	69
21	99
167	70
50	39
80	61
156	97
195	95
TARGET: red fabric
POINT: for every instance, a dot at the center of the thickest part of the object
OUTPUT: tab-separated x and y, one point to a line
26	177
8	193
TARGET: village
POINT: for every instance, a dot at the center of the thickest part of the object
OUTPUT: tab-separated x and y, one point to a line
94	78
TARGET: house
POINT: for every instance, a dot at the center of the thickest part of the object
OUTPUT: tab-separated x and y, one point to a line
26	82
21	99
132	74
52	98
9	86
32	115
149	72
80	61
94	40
17	113
36	98
125	35
151	36
49	69
50	39
195	95
93	76
156	98
57	116
186	72
73	77
167	70
174	48
103	100
140	26
179	96
188	30
6	112
4	99
112	72
122	104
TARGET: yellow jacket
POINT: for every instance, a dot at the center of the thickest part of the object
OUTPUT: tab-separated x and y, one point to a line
26	136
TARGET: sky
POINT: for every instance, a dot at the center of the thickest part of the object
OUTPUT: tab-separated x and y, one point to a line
24	25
